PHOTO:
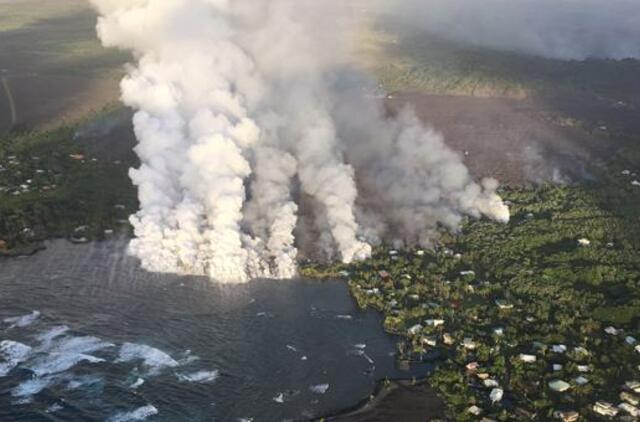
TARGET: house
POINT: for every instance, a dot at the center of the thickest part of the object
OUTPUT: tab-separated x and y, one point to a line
605	409
475	410
612	331
630	409
434	322
503	304
558	348
430	341
633	386
584	242
581	380
415	329
496	395
527	358
559	386
567	416
469	344
490	383
630	398
472	366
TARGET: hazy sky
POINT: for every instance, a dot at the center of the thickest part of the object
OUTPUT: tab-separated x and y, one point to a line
564	29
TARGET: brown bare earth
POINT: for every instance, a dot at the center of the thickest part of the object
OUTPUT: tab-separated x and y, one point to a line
516	141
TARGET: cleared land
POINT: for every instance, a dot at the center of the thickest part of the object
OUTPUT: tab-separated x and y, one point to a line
514	140
53	64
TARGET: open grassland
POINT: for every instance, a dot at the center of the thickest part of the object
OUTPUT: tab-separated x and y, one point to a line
53	63
19	14
406	58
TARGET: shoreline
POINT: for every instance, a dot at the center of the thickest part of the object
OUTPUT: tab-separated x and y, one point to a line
406	400
391	399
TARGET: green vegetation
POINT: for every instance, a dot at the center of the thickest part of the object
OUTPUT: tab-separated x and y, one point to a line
491	302
51	187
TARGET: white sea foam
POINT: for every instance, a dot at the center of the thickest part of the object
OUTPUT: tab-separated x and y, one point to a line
200	376
137	383
13	353
48	336
32	387
139	414
23	320
152	358
54	408
67	352
83	381
319	389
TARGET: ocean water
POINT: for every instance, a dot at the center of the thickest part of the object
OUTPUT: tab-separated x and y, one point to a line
85	335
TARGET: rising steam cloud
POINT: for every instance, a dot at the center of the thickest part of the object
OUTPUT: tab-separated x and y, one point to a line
253	127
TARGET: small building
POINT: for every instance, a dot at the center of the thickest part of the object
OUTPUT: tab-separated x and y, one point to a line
633	386
496	395
567	416
605	409
630	398
475	410
490	383
469	344
559	386
612	331
584	242
415	329
630	409
503	304
434	322
527	358
581	380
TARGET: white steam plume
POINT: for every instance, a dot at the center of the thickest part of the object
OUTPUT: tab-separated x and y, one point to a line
240	117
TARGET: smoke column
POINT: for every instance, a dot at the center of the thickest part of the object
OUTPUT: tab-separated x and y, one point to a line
243	119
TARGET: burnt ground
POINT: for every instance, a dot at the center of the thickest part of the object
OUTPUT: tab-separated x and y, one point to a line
517	141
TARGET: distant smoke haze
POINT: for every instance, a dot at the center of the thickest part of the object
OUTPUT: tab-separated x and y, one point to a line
561	29
253	127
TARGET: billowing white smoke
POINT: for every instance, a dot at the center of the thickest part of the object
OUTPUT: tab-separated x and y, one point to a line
240	120
560	29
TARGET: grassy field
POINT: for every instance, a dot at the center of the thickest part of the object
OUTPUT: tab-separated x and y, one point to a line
407	58
54	64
